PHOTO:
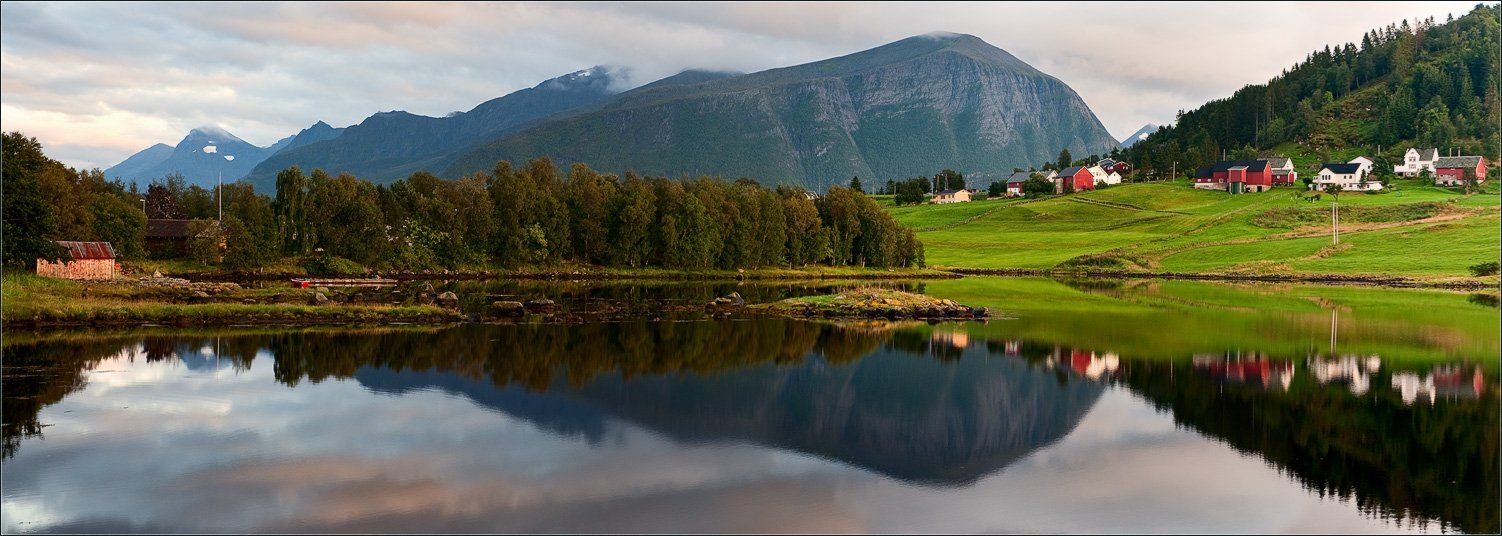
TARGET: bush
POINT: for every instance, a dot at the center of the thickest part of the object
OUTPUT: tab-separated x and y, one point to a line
332	265
1484	269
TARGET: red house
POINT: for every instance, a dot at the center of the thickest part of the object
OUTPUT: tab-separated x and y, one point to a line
1077	176
1235	176
1450	170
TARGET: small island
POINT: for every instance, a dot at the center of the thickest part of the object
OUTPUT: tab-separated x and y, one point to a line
872	302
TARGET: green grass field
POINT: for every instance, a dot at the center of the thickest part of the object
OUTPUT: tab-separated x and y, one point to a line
1173	227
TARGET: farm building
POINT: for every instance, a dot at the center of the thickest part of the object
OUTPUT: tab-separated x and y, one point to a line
952	196
169	238
1350	176
1451	170
1282	170
81	260
1365	163
1077	178
1417	161
1235	176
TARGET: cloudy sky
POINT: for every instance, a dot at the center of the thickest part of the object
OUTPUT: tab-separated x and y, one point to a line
98	82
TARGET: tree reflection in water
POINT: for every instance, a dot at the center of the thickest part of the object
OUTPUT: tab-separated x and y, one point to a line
927	404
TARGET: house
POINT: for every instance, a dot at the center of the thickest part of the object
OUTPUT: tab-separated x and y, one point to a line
1107	164
1075	177
1451	170
1015	181
1102	175
1350	176
1235	176
1365	163
1282	170
169	238
1112	178
1416	161
952	196
81	260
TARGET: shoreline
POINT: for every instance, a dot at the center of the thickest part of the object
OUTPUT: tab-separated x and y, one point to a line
1322	279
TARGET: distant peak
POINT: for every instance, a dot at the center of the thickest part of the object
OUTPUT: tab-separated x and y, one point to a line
212	130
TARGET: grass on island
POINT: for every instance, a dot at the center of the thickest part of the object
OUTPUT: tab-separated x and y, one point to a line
31	299
1416	230
861	301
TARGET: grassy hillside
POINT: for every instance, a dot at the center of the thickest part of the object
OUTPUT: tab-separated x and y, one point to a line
1416	230
1429	83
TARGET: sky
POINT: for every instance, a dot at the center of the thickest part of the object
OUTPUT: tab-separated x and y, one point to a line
96	82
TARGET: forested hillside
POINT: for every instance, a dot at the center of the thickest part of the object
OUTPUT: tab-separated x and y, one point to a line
1423	83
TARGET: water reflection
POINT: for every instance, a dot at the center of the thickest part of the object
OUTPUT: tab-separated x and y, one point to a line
936	406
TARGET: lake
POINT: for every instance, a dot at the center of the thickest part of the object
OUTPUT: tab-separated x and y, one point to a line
1082	406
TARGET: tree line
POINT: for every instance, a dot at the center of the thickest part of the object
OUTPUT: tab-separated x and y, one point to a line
512	216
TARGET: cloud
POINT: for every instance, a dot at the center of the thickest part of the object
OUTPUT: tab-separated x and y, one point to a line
97	82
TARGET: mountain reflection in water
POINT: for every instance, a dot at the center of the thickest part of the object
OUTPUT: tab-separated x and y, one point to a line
931	405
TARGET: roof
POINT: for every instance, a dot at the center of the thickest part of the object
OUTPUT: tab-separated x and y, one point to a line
88	250
1343	169
1279	161
1451	162
952	192
1432	152
1020	176
1227	165
1106	162
1071	171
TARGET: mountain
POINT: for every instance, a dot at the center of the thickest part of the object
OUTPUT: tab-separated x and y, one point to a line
202	157
1139	135
1422	84
318	132
391	145
907	108
140	163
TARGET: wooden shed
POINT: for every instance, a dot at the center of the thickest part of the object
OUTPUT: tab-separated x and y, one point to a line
81	260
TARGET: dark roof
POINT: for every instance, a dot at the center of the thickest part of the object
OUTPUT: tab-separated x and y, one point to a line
1279	161
88	250
1450	162
1071	171
1226	165
1427	151
1343	169
170	228
1020	176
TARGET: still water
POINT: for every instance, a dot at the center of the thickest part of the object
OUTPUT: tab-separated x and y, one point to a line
1085	407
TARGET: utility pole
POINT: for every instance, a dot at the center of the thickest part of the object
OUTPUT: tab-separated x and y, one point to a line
1174	171
1335	220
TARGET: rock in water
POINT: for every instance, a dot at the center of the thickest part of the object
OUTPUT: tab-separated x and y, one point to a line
507	308
448	299
320	299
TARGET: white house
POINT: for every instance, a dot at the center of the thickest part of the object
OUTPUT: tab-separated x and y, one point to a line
1417	161
1097	173
1350	176
1111	178
1366	164
952	196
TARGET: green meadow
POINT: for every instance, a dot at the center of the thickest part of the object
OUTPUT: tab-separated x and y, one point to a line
1415	230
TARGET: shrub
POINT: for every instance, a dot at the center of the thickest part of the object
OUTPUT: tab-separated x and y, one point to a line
332	265
1484	269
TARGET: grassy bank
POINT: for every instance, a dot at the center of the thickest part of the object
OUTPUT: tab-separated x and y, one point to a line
870	302
38	301
1171	227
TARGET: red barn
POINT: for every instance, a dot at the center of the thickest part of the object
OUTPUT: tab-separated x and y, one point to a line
1077	176
1450	170
1235	176
81	260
